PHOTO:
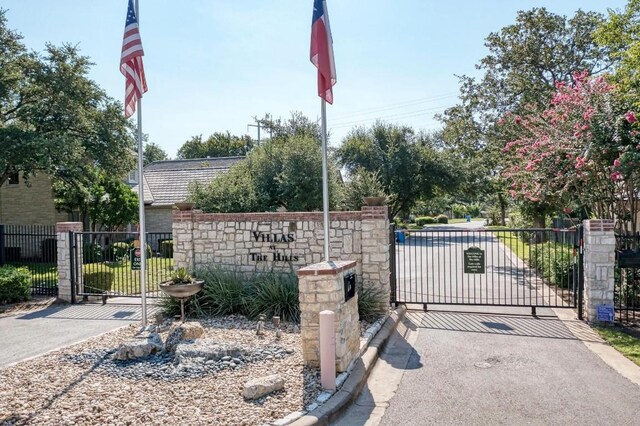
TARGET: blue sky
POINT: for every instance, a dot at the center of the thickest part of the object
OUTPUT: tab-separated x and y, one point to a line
213	65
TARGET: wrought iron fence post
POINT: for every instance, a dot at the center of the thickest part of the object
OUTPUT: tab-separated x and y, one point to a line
72	264
580	271
2	245
392	263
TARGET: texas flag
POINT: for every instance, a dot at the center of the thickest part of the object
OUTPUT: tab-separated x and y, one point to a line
322	50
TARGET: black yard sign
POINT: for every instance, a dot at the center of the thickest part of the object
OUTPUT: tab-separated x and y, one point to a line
474	261
136	258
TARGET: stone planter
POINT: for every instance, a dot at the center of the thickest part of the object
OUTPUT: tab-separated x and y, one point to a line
182	292
375	201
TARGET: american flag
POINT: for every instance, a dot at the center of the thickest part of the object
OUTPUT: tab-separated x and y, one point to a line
131	63
322	50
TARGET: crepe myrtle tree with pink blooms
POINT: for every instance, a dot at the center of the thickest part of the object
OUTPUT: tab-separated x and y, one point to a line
582	151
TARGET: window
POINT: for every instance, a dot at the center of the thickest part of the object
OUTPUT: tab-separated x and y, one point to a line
14	179
133	176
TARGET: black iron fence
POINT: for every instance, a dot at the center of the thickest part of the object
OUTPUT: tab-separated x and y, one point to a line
32	247
627	279
499	267
108	269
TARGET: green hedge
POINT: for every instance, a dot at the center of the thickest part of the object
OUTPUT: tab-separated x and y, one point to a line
166	248
442	218
425	220
554	261
15	284
119	250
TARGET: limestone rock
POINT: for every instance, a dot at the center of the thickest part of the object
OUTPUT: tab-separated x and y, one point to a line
139	347
185	331
207	350
256	388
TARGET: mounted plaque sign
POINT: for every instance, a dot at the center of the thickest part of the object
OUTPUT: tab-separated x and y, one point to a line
474	261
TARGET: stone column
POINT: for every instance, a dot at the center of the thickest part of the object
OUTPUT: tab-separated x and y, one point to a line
64	258
183	254
375	247
599	262
322	288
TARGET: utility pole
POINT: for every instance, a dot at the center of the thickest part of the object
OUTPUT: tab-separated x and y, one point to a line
258	125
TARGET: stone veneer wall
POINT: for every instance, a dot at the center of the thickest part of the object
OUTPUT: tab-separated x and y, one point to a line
241	240
322	288
599	264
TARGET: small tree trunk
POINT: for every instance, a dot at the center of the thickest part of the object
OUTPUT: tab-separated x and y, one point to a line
503	210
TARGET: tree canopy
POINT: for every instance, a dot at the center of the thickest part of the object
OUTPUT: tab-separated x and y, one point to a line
408	168
282	173
216	145
53	118
153	152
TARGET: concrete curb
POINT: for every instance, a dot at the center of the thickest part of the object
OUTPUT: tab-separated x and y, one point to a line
351	388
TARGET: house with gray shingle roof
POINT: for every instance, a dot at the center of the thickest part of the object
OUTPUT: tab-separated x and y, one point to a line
166	183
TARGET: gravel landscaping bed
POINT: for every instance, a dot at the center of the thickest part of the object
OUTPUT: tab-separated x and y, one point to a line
83	385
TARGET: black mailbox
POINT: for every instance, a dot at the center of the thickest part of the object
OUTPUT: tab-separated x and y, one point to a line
628	259
349	285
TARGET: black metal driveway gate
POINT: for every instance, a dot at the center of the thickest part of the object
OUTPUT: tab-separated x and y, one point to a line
494	267
106	269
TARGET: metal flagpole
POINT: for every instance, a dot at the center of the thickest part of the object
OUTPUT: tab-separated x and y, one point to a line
143	235
325	181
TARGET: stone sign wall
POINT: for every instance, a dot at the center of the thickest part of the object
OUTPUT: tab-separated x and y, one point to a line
283	241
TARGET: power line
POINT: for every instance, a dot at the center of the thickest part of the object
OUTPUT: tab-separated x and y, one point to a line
398	105
397	116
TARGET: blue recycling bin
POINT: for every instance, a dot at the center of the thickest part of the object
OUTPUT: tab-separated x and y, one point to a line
400	236
468	218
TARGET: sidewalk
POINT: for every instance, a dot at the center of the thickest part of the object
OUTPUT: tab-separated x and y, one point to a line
25	335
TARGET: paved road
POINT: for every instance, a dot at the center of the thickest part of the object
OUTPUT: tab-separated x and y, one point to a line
489	369
29	334
430	269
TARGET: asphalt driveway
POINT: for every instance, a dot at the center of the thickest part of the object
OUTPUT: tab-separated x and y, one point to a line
25	335
491	369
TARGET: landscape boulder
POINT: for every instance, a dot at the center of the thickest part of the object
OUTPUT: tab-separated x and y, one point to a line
139	347
256	388
185	331
207	350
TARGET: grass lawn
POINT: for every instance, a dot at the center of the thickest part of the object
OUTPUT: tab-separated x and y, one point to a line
511	240
119	278
473	219
624	343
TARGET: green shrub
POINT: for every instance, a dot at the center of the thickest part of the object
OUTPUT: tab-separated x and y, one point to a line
424	220
274	293
15	284
372	302
98	281
166	248
442	218
119	250
473	210
459	211
555	263
92	253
